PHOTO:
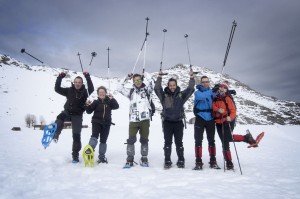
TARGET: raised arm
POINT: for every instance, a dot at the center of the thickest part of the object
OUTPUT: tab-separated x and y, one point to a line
58	88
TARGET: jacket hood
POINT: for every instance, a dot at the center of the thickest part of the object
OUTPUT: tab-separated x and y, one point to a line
201	88
168	91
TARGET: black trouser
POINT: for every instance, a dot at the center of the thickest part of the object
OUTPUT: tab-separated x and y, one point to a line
227	137
170	129
199	127
76	121
102	130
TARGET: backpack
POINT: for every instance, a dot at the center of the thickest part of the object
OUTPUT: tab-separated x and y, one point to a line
152	110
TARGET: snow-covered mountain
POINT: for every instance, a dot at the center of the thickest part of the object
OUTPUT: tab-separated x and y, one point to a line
252	107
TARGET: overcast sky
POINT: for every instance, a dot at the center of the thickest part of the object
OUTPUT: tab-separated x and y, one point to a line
265	51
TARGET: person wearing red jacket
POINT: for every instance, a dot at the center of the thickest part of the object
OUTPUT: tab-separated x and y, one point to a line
224	112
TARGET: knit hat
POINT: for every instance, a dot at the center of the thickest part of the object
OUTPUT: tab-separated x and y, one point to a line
224	85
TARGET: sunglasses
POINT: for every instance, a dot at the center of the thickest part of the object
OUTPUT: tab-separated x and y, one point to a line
205	82
138	81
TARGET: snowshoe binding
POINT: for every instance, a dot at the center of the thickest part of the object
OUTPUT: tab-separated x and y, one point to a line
198	166
213	165
168	164
144	162
180	164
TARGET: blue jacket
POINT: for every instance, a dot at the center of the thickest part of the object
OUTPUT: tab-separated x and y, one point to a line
203	99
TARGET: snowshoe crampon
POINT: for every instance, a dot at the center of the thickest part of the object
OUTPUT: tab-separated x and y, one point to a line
88	156
49	132
258	139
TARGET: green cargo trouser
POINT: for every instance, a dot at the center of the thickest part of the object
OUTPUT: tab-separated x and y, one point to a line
143	128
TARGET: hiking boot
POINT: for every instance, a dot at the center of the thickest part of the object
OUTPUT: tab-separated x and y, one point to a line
180	164
102	160
144	161
229	165
75	159
198	165
249	139
213	164
168	164
128	164
55	137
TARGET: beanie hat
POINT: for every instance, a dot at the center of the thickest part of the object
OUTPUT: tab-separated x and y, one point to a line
224	85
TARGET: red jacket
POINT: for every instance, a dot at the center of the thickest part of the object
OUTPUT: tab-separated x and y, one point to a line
219	102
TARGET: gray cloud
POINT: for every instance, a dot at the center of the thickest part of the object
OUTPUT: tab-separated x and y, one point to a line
264	52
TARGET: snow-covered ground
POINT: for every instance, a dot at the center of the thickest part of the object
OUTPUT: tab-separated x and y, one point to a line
27	170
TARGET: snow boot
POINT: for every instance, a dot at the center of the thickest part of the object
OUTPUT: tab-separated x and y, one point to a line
180	154
249	139
102	151
60	126
228	159
213	164
198	165
76	147
168	164
144	161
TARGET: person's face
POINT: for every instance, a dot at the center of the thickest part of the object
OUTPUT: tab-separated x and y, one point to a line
172	86
222	89
101	93
137	81
78	83
205	82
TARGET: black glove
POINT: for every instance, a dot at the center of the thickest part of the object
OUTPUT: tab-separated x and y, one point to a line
232	92
86	74
216	88
62	74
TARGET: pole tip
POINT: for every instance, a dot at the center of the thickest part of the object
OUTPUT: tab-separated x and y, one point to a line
186	35
94	54
164	30
147	18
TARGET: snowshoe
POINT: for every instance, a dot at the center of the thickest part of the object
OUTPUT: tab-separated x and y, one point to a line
198	166
49	131
214	165
180	164
88	156
144	162
168	164
257	140
128	165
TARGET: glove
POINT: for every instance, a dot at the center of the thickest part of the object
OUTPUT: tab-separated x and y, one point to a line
232	92
86	74
228	119
62	74
216	88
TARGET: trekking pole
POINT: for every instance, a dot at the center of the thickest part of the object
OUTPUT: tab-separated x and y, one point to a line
80	62
188	50
144	43
82	72
94	54
23	51
162	54
235	148
108	49
234	24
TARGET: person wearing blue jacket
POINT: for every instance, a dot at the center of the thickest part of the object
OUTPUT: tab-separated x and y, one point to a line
204	121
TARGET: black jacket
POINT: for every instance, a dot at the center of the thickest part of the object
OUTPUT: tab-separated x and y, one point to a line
75	104
102	110
173	103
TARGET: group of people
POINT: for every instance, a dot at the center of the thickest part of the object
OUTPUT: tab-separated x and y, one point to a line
213	108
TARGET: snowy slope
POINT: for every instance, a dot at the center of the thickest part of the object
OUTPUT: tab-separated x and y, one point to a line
27	170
